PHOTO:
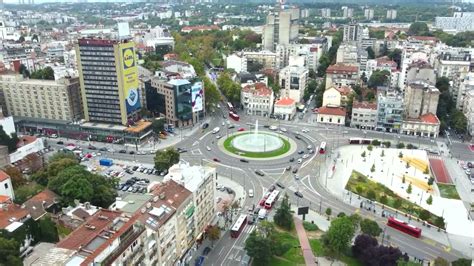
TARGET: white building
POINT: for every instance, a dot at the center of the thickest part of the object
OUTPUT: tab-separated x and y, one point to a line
466	86
7	123
426	125
347	12
469	111
352	32
237	62
364	115
257	99
368	13
392	14
311	53
332	115
455	67
6	187
408	58
459	22
201	181
285	108
326	12
293	82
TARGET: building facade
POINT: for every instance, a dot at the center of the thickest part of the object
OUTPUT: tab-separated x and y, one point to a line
285	108
109	80
392	14
43	99
237	62
420	98
257	99
331	115
293	82
342	75
364	115
281	28
459	22
466	85
352	32
455	67
390	111
426	125
469	111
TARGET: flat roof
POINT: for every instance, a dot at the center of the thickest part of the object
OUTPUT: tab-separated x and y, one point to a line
138	127
104	126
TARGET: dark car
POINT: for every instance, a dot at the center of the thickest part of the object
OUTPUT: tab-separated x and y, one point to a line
216	160
135	168
244	160
298	194
271	188
90	147
470	165
260	173
256	210
292	160
280	185
122	151
206	251
103	149
205	125
295	170
300	152
60	142
199	261
229	190
131	152
297	137
231	126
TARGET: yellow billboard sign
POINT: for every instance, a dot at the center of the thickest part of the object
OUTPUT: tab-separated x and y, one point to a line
130	76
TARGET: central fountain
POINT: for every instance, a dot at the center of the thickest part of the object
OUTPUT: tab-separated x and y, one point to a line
257	142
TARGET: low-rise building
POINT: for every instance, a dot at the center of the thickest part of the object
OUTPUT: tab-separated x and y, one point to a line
336	97
6	187
332	115
390	111
237	62
342	75
364	115
293	82
12	216
426	125
285	108
257	99
201	28
42	203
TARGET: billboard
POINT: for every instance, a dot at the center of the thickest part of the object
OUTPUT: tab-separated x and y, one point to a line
130	77
197	93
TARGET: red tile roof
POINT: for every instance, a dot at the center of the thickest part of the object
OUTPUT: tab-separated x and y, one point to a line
285	101
325	110
89	230
11	211
344	90
364	105
3	176
174	193
258	89
342	69
429	118
4	199
38	203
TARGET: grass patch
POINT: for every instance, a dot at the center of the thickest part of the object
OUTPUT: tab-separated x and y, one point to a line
360	184
310	226
63	231
27	191
448	191
282	150
319	251
294	254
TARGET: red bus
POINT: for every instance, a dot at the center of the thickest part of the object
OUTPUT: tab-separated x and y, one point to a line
322	147
404	227
234	116
272	199
238	226
360	141
230	106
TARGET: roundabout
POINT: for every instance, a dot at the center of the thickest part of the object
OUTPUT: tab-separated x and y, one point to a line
257	145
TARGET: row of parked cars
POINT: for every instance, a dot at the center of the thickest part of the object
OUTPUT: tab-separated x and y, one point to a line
134	185
145	170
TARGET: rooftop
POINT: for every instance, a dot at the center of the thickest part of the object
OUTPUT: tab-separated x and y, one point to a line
190	176
3	176
342	69
131	203
285	101
338	111
429	118
46	254
258	89
344	90
38	203
364	105
11	213
174	193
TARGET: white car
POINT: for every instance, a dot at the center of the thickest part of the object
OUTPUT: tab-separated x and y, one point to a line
283	129
305	156
250	193
300	160
305	130
218	136
208	148
273	128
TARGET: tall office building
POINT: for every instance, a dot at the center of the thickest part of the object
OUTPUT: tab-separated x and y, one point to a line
391	14
326	12
369	13
281	28
109	80
347	12
352	32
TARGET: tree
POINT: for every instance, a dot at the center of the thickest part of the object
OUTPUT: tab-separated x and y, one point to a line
363	154
418	28
430	180
387	144
283	216
458	121
383	199
439	222
376	142
254	66
9	252
439	261
16	176
371	194
397	203
211	94
429	201
164	159
370	227
48	230
400	145
363	242
370	147
258	247
8	140
442	84
400	155
339	234
378	78
158	125
424	215
409	189
328	212
372	169
462	262
396	56
381	255
46	73
214	233
370	53
23	70
370	96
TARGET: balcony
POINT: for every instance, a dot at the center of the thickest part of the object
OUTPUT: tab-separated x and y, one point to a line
126	240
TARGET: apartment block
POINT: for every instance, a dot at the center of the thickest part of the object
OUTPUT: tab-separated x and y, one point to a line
420	98
293	82
257	99
281	28
454	66
364	115
338	75
42	99
390	111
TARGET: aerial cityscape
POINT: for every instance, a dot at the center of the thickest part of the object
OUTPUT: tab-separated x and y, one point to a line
237	133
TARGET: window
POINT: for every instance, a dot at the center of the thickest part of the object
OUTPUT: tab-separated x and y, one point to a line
6	185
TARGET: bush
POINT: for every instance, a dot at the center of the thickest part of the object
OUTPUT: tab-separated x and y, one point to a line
376	142
310	226
281	248
400	145
363	154
371	195
383	199
341	214
410	146
397	203
370	147
387	144
409	189
425	215
429	201
400	155
372	169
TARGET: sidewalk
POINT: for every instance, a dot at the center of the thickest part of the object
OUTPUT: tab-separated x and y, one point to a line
308	255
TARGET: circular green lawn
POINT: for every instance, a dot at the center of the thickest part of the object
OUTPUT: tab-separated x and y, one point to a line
282	150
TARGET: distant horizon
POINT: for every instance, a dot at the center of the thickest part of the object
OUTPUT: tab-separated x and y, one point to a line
15	2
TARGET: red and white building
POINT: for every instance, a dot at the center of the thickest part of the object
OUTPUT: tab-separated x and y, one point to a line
285	108
426	125
6	187
339	75
332	115
257	99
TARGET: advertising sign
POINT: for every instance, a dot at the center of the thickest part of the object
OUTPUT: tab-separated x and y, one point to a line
130	77
197	92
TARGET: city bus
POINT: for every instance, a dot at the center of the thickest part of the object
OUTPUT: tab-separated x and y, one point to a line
234	116
360	141
272	199
230	106
404	227
238	226
322	148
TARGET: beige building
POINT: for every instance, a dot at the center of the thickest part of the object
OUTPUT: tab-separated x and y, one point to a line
426	125
420	98
364	115
44	99
285	108
265	58
332	115
281	28
257	99
469	110
342	75
336	97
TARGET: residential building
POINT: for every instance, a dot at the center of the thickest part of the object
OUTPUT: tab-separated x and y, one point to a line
364	115
383	63
237	62
467	84
42	99
352	32
420	70
368	13
12	216
285	108
179	69
201	181
348	53
325	12
420	98
293	82
109	80
331	115
172	99
42	203
265	58
391	14
281	28
426	125
6	187
257	99
409	58
459	22
347	12
469	111
390	111
336	97
455	67
157	38
338	75
311	53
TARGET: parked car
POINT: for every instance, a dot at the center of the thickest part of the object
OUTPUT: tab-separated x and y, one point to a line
280	185
250	193
199	261
244	160
122	151
260	173
292	160
241	129
206	251
301	152
60	142
216	160
295	170
288	168
298	194
205	125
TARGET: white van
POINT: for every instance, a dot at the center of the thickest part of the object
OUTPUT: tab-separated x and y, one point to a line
215	130
54	136
262	214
